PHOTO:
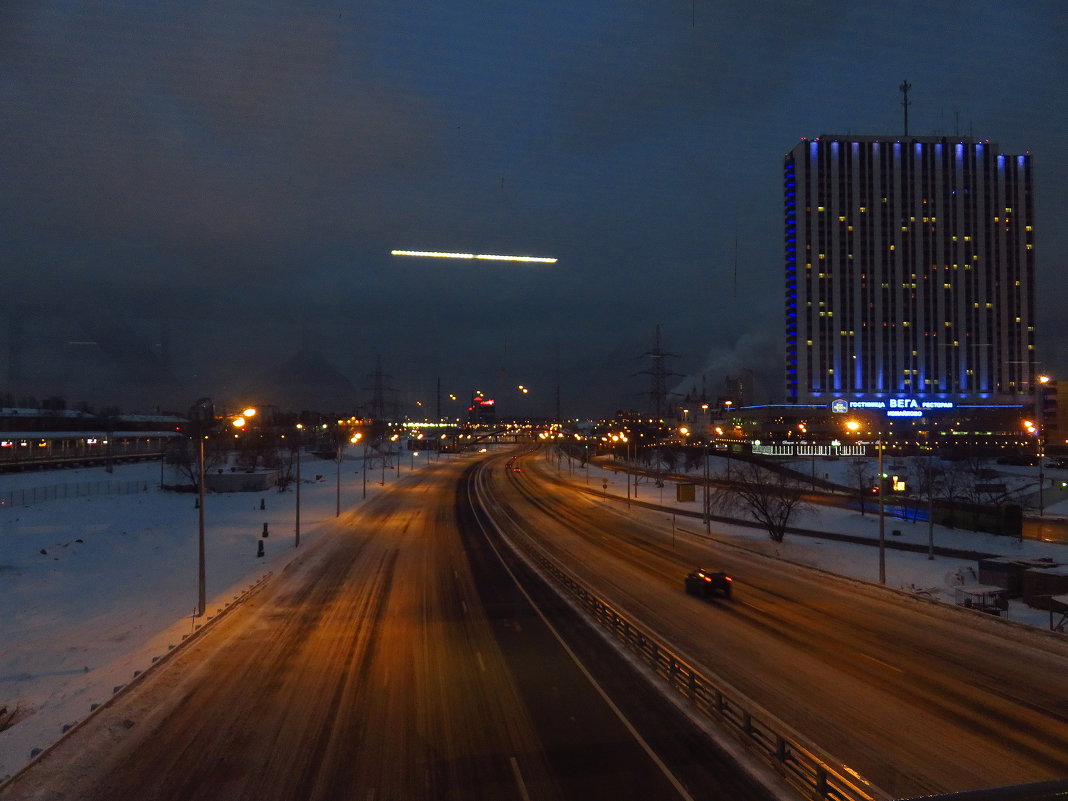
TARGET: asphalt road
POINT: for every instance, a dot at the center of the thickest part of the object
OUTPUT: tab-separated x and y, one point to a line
395	659
916	697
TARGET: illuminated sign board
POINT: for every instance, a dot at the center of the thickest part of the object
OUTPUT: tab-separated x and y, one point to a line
894	407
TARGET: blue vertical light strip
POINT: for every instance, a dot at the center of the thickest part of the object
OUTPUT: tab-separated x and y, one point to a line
965	357
790	258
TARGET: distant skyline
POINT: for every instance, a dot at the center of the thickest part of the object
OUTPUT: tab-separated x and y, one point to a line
207	193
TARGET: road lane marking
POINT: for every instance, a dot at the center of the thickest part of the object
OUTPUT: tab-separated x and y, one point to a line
664	769
881	663
519	779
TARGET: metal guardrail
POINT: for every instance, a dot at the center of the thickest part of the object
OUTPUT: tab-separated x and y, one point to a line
799	764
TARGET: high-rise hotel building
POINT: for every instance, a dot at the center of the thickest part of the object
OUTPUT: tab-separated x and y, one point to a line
909	271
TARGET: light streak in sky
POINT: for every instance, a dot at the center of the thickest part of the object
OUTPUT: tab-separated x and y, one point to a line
433	254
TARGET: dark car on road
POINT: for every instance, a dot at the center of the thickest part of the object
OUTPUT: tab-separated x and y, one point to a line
703	583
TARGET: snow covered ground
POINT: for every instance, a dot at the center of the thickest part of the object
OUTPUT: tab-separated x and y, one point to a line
92	588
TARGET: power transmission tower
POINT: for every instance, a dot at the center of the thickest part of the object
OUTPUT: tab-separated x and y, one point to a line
658	376
378	390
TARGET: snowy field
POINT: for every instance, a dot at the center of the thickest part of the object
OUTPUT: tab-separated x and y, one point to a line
95	587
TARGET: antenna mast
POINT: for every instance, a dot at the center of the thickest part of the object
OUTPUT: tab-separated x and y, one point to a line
905	102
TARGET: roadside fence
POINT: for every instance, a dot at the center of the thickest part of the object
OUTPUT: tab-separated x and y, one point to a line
29	496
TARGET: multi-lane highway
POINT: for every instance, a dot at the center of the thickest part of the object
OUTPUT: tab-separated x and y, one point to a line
916	697
410	655
397	658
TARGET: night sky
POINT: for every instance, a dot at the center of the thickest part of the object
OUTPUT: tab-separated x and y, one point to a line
201	199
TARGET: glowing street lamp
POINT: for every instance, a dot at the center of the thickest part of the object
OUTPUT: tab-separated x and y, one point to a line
854	426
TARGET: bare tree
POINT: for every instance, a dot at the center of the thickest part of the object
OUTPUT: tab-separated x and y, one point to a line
959	481
694	459
668	457
770	498
283	460
182	456
931	481
860	473
255	450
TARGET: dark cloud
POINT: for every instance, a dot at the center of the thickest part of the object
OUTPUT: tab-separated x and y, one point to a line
240	171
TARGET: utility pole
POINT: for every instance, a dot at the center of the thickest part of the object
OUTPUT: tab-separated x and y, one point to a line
300	431
882	524
201	592
707	515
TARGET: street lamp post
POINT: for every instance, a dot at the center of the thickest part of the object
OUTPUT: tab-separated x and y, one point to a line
1041	433
337	513
853	426
201	590
296	541
882	528
707	516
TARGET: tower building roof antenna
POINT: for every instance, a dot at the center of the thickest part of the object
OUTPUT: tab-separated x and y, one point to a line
905	102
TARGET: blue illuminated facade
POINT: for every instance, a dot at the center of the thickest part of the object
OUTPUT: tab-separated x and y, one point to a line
909	271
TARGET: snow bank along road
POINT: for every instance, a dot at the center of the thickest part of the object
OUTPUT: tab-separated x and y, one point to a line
392	660
915	696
